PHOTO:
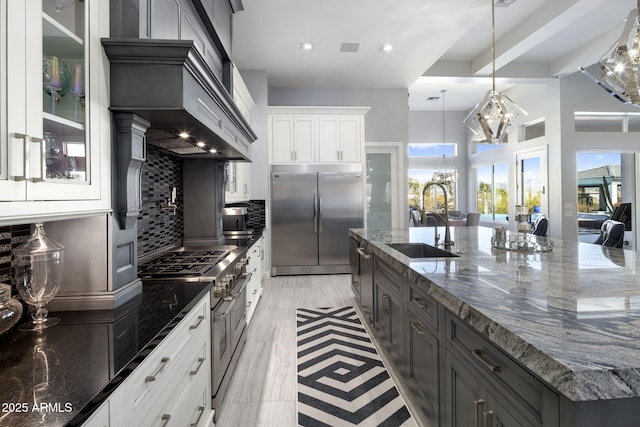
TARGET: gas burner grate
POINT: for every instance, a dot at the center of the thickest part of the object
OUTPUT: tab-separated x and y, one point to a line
187	263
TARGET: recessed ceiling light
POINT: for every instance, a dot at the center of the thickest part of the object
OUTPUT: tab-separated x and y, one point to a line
213	151
200	144
183	135
306	46
387	47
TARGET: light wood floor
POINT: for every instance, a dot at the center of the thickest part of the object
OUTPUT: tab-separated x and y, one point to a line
262	392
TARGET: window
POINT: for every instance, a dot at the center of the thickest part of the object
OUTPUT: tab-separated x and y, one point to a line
434	200
481	147
531	130
432	150
492	192
599	191
606	122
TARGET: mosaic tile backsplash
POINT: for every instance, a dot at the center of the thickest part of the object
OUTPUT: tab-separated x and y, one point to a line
10	238
158	228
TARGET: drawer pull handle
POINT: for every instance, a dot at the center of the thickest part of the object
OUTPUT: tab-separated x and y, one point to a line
481	357
201	411
163	364
363	253
422	303
249	304
477	409
488	418
195	371
165	419
255	291
418	328
385	304
195	325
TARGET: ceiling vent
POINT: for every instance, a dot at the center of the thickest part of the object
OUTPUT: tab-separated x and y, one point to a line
504	3
349	47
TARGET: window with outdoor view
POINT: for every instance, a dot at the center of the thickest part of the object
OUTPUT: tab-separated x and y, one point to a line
434	200
492	192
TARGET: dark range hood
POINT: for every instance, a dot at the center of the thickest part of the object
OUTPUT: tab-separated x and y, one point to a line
169	84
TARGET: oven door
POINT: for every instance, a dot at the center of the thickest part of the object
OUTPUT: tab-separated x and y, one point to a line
221	335
239	311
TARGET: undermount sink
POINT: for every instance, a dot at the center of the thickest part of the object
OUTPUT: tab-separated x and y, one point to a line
421	250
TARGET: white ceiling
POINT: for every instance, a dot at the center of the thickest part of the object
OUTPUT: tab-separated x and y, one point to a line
438	44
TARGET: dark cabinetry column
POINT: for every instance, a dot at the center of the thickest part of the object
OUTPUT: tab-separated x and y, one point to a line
130	151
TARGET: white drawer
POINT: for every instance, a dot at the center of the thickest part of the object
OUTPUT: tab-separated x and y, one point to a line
194	406
193	371
148	381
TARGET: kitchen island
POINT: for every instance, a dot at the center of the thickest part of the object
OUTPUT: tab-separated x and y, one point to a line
569	317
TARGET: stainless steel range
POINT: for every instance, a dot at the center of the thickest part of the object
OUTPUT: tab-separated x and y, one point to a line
225	267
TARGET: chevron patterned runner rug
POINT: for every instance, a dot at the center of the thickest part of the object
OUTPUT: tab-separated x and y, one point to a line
341	378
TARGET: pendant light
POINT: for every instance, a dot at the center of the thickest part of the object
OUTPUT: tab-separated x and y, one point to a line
492	119
618	70
444	175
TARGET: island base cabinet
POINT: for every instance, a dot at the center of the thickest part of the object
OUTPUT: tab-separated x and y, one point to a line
470	403
388	322
421	368
599	413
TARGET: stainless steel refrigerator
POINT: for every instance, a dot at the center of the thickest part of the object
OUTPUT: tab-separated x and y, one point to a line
312	209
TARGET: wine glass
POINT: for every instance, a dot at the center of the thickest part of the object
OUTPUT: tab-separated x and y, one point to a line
55	78
38	276
77	88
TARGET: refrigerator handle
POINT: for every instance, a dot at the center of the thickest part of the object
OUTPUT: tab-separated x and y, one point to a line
315	211
320	212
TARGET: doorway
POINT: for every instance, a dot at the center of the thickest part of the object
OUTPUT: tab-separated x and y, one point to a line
531	170
606	190
384	208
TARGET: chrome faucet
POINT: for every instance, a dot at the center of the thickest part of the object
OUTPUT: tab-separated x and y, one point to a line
447	231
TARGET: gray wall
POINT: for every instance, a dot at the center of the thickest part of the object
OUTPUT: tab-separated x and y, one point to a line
386	121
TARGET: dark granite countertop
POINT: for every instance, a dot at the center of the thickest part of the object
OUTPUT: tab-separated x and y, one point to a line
60	376
571	316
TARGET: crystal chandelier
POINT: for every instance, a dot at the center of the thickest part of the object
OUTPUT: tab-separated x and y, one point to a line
491	120
618	70
444	175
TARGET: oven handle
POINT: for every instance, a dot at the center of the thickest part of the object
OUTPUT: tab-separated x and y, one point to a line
226	312
244	282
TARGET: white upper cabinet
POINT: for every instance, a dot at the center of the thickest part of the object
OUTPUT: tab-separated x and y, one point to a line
238	182
316	134
241	96
293	138
54	138
340	139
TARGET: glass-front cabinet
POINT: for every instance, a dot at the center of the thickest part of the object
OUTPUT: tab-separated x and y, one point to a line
53	93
